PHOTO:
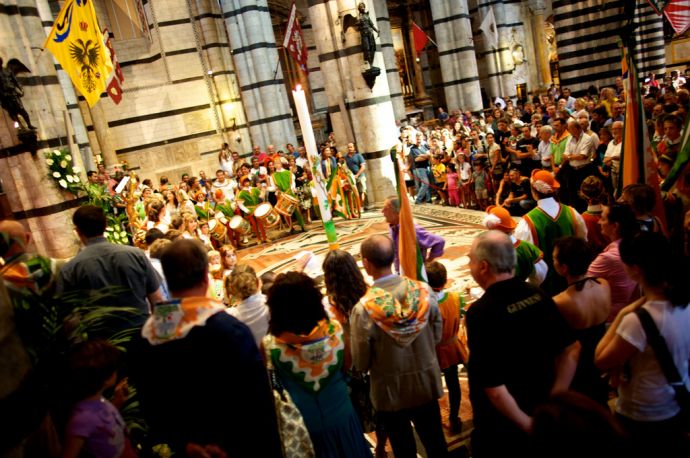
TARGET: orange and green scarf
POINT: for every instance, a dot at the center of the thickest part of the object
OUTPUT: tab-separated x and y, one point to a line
311	359
399	320
173	320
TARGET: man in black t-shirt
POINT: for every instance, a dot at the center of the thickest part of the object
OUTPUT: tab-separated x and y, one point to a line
520	200
528	146
521	350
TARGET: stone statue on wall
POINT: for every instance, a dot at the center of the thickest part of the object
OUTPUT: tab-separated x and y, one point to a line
11	91
366	29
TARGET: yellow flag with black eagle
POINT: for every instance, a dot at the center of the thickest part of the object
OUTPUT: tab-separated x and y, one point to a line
77	44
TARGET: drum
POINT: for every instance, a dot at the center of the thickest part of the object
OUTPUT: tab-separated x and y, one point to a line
286	204
266	213
240	225
217	229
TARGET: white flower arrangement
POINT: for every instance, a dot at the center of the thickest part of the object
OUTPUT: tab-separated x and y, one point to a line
61	171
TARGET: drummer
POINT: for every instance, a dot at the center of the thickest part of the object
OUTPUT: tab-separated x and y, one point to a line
248	198
284	180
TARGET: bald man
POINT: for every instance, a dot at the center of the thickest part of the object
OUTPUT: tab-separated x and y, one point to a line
22	270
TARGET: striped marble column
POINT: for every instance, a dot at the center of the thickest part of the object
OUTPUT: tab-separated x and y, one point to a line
650	48
487	57
316	83
587	35
457	54
253	46
384	25
220	75
369	111
34	198
510	32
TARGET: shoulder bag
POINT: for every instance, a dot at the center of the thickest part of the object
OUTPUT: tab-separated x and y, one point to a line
668	366
293	432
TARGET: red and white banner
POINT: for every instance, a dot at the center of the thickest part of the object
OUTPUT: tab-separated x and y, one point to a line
294	41
116	78
678	14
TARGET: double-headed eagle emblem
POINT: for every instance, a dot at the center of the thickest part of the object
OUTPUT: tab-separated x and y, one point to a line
86	55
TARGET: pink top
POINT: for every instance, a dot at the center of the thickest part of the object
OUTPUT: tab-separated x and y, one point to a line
452	180
609	266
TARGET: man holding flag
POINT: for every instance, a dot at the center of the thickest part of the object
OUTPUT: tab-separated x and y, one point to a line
412	244
77	44
430	245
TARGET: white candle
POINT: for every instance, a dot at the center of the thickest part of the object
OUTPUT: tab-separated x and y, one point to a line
318	181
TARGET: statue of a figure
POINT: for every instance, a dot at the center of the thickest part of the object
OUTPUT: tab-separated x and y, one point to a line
366	29
11	91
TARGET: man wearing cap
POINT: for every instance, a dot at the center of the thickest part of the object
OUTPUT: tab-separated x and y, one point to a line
548	222
530	259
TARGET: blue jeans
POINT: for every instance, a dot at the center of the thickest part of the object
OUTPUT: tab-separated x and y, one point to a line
422	180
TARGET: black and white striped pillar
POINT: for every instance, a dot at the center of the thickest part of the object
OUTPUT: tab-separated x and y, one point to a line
316	84
34	199
650	50
255	53
488	57
587	37
384	25
368	111
456	54
219	73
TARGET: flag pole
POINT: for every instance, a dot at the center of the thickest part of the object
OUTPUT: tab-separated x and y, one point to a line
318	181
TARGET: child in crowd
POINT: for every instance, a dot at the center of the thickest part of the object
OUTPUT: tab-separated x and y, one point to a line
642	200
204	234
452	308
439	170
267	279
452	185
593	192
95	427
215	272
480	180
465	172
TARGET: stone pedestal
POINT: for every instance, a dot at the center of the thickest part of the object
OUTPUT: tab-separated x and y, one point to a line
369	111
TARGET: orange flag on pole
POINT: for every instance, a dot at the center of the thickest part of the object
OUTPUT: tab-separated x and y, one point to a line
409	253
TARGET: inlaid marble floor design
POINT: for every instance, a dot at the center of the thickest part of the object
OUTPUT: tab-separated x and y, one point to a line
457	226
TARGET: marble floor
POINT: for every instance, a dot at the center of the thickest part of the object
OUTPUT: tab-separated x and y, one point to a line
457	226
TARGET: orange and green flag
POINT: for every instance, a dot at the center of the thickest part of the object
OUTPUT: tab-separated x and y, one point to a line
409	253
637	159
77	44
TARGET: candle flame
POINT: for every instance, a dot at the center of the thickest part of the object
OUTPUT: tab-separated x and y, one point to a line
298	87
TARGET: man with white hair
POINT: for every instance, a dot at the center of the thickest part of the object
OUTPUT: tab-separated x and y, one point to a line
544	148
612	157
578	154
522	350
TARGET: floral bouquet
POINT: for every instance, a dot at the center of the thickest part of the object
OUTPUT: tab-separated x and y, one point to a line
63	172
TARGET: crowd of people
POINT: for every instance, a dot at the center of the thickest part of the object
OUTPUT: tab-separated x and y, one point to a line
473	161
248	196
570	296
